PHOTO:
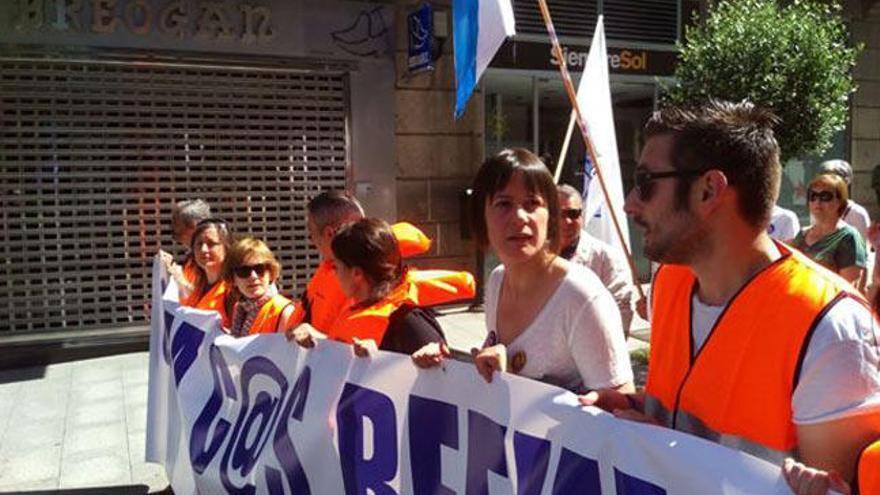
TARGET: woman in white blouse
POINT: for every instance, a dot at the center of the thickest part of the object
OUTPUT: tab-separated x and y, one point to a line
548	319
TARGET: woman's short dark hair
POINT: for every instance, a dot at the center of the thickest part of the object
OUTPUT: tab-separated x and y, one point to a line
493	176
370	245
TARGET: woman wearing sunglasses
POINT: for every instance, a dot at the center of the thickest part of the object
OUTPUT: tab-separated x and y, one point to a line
211	240
829	240
548	319
382	311
254	302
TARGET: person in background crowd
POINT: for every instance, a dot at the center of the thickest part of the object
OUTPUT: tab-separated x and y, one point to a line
211	241
602	258
784	224
830	241
324	298
548	319
875	181
254	301
853	213
185	215
800	339
381	311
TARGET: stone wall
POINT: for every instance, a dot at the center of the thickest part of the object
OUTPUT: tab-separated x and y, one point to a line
865	136
436	156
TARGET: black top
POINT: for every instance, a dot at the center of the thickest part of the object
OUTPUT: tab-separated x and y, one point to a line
410	328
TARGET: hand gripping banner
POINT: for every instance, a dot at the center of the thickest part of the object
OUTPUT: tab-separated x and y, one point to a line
259	415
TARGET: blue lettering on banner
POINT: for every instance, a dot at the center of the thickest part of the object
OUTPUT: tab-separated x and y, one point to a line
630	485
485	452
185	348
576	474
357	404
166	337
532	459
262	416
284	449
432	423
201	457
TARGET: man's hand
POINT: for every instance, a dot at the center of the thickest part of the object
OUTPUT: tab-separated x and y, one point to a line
805	480
430	355
489	360
642	308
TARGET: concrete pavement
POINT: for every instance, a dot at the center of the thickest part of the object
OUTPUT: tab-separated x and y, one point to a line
79	427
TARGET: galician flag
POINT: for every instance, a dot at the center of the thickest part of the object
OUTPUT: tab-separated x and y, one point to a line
594	98
479	27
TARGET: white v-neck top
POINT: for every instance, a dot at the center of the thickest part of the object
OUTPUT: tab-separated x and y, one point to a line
576	341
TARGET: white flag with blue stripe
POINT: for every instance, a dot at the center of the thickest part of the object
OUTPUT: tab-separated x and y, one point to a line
594	98
479	28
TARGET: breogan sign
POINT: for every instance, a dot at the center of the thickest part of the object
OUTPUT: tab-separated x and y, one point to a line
205	20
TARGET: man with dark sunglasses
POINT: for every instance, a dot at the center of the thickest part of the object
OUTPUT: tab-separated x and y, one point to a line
600	257
753	345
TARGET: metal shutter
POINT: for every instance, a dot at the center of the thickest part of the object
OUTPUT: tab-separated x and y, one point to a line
93	153
654	21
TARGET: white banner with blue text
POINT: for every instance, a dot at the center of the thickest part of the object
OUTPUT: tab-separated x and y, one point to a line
259	415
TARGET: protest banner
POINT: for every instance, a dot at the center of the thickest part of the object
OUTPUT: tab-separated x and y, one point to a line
261	415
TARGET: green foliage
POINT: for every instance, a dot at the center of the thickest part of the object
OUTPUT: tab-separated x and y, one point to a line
793	60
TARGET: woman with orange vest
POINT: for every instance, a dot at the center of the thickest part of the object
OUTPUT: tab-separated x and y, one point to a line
382	310
211	241
253	301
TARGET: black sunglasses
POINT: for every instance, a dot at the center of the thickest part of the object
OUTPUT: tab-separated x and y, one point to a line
244	271
572	213
644	180
821	196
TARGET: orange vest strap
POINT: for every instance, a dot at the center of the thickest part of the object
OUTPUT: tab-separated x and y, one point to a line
214	299
725	388
441	286
410	239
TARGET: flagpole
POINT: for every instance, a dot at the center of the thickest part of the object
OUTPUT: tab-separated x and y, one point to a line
572	96
564	150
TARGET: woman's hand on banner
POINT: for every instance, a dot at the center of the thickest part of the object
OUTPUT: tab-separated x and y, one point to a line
364	347
304	335
489	360
430	355
804	480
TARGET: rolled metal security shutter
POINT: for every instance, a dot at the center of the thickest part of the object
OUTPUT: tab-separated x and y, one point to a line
93	154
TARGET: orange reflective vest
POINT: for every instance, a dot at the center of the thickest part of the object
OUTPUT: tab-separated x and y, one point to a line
869	470
269	316
213	299
410	239
324	298
190	270
737	389
441	286
371	322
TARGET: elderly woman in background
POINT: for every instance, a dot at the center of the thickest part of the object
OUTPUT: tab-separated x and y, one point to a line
253	300
829	240
382	311
211	241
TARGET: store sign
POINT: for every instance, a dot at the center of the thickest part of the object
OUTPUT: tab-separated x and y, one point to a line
420	25
531	55
243	22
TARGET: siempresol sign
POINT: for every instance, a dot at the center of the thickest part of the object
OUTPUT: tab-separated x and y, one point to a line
532	55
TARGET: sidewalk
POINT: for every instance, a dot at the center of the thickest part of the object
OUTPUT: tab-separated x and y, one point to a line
81	424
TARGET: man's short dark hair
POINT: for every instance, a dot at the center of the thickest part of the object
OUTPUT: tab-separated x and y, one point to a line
334	208
735	138
493	176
